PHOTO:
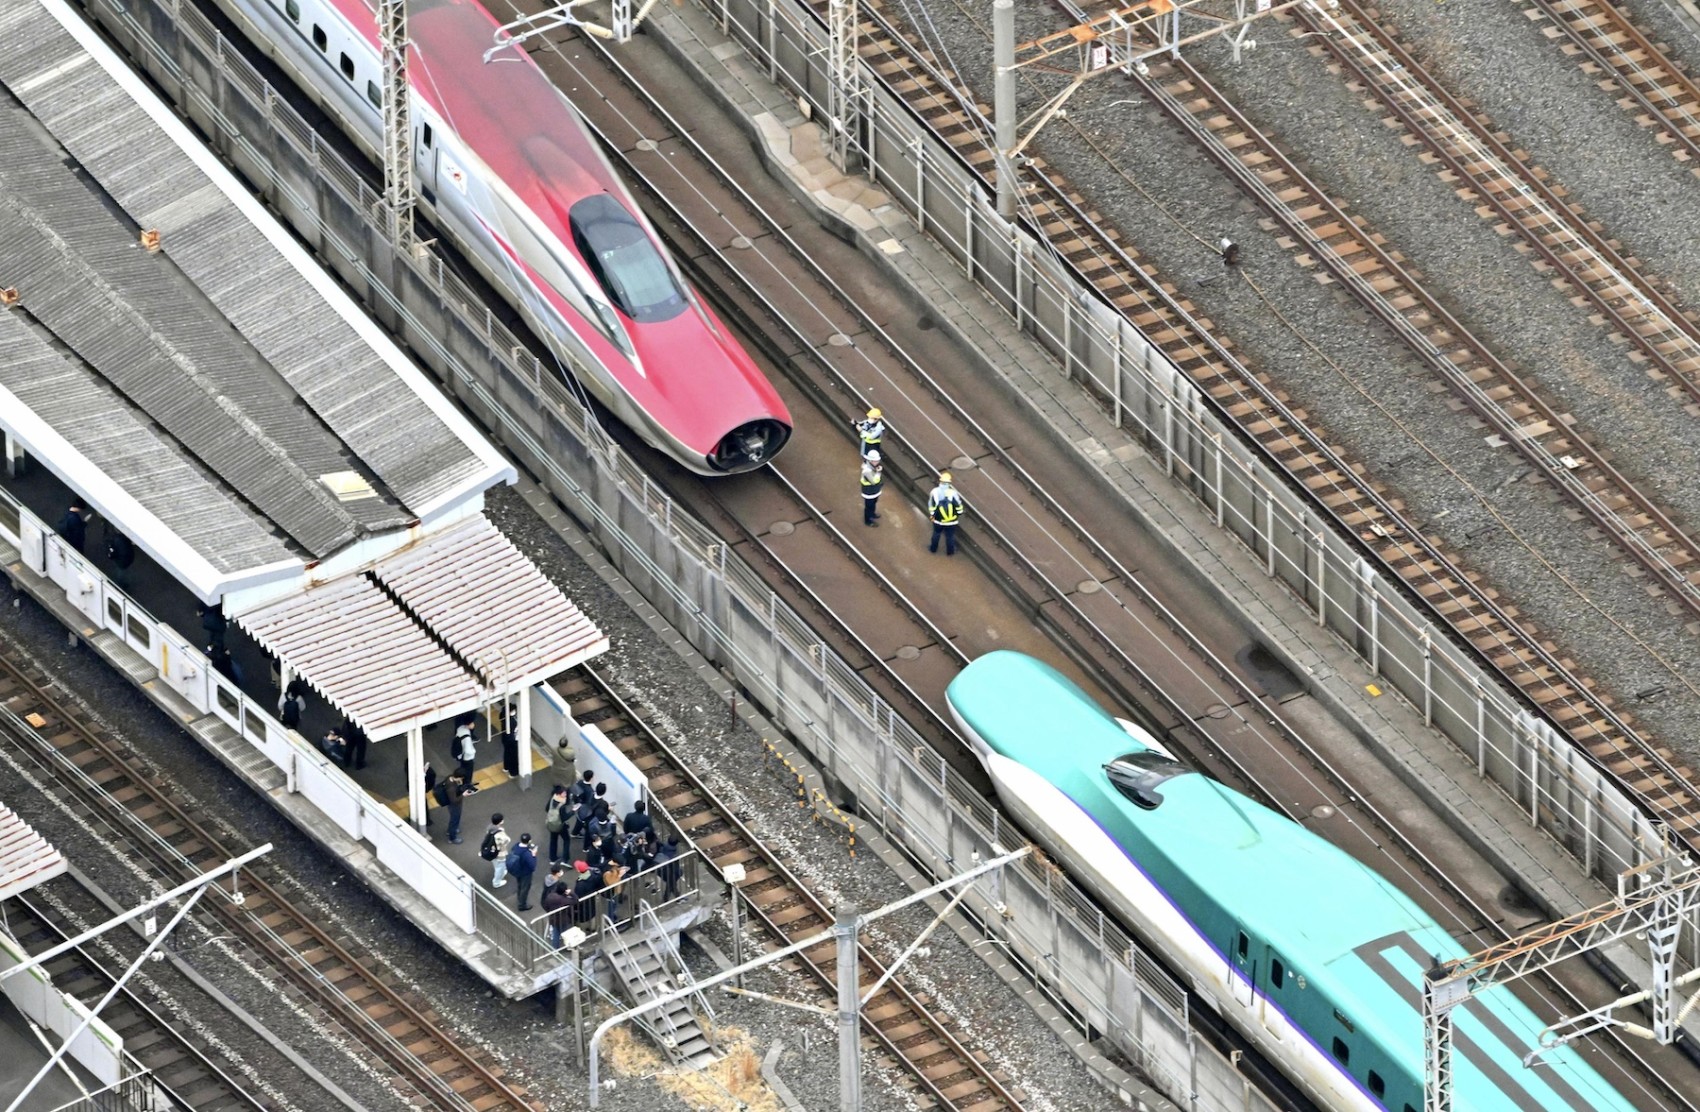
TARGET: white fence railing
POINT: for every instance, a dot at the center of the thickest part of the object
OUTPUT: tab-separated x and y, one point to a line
188	672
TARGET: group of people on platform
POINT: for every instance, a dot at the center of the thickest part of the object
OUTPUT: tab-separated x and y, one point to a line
944	505
609	852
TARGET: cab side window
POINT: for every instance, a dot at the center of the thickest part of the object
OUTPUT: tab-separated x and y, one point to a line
347	65
292	8
320	39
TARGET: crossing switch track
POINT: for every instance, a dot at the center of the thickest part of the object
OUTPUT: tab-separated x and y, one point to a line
325	972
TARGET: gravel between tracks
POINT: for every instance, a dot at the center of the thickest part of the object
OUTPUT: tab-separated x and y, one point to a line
523	1035
1376	401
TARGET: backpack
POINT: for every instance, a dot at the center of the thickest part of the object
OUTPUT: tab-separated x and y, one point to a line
521	862
552	816
487	848
441	791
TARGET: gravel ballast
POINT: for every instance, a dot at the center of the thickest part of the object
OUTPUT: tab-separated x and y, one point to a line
523	1035
1370	394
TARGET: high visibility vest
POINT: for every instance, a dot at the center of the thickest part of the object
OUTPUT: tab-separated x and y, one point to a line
945	505
872	481
870	431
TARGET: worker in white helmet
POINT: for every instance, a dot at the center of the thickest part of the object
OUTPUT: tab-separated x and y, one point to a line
945	508
870	429
873	479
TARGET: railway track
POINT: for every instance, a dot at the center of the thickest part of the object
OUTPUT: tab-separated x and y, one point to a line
1251	731
326	973
1603	39
941	1067
1512	190
1247	398
179	1068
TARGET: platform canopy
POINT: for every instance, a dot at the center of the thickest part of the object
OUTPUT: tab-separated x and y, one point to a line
471	587
455	620
26	858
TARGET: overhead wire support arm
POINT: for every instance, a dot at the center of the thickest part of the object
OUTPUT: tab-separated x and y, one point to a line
517	32
1124	39
1653	901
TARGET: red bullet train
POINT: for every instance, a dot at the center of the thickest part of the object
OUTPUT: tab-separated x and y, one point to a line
511	172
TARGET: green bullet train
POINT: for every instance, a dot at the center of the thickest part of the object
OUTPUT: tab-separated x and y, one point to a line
1313	957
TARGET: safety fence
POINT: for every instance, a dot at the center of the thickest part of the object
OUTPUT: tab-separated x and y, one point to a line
136	1093
1084	960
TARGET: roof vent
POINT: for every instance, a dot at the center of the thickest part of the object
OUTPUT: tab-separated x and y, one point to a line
348	486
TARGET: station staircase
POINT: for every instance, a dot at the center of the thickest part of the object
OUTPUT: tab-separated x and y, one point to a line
647	964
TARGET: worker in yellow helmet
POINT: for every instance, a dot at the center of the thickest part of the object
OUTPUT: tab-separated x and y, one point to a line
873	480
945	508
870	429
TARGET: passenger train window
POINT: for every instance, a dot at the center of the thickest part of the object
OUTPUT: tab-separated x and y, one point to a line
1139	775
1277	972
626	264
347	64
292	8
320	39
1243	945
425	134
374	94
1377	1087
1342	1051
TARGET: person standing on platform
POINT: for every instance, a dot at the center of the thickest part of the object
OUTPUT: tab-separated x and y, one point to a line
668	858
522	862
465	749
560	903
945	508
494	849
870	430
612	888
213	623
121	552
589	880
357	742
334	746
873	480
556	814
452	794
289	711
637	821
74	527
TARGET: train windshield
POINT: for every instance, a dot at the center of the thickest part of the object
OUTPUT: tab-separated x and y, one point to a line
618	251
1139	775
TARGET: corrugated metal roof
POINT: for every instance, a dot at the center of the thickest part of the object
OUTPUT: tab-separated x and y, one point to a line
470	586
26	858
340	373
117	440
134	318
351	643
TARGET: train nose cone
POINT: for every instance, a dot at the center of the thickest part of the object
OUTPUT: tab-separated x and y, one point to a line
750	445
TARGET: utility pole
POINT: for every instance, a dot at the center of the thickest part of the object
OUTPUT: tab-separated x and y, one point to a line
398	131
1003	101
849	1009
842	78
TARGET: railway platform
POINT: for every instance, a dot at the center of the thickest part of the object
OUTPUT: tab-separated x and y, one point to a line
268	490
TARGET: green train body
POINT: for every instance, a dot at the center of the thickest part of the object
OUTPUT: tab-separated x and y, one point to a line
1313	956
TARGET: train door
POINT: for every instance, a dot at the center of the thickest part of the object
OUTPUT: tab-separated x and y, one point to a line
425	155
1269	1008
1243	974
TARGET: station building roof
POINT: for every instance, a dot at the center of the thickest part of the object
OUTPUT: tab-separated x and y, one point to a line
299	427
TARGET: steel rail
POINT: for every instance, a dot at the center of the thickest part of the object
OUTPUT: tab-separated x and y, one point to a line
822	969
288	957
172	1040
1679	108
1544	220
